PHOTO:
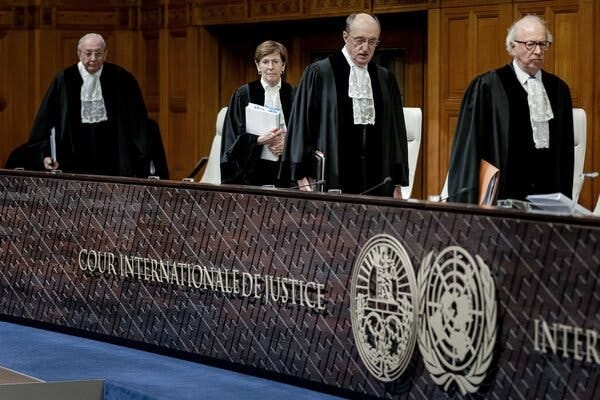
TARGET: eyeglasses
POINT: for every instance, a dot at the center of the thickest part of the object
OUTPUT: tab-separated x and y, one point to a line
530	45
359	41
97	54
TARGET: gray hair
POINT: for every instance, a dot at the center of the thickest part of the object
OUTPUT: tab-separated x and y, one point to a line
511	36
87	36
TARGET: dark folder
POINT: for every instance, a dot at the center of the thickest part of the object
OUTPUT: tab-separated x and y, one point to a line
317	169
488	183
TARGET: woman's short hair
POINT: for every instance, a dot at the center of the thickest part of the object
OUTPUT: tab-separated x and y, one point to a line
269	47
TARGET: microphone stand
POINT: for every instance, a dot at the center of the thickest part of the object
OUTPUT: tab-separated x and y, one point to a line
315	183
383	182
579	184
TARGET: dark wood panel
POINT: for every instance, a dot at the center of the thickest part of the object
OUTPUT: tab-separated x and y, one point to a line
447	44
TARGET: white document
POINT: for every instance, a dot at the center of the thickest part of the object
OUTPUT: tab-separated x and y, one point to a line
259	120
53	144
557	203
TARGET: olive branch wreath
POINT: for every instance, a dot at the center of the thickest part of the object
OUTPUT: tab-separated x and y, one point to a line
469	382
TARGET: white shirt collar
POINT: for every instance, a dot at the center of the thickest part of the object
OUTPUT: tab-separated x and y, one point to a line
523	76
265	84
349	59
84	72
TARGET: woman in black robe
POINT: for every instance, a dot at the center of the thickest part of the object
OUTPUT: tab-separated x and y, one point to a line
252	159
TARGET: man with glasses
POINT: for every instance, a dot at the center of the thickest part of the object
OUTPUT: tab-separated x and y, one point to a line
350	110
519	118
97	112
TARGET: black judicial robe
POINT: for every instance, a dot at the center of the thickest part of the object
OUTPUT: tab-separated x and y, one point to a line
494	125
240	154
322	119
118	147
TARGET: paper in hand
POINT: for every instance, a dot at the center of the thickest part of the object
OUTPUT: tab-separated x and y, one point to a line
259	120
53	144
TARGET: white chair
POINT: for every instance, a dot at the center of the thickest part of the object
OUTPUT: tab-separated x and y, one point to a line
444	194
212	172
413	119
212	163
579	140
597	209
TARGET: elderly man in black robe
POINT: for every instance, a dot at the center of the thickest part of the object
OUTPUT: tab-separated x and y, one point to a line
518	118
350	110
97	112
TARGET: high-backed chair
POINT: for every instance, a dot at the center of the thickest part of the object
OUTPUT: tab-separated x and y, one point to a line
212	172
596	211
212	163
579	141
413	119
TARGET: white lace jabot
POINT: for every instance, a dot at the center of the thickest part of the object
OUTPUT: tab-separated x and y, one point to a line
540	112
540	109
361	93
92	102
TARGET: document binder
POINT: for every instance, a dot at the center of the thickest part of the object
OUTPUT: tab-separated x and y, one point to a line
488	183
262	119
318	168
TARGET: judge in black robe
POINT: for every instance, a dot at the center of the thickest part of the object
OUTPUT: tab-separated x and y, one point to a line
357	157
241	161
117	146
494	125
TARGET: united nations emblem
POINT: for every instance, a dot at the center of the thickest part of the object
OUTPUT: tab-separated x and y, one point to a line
383	307
457	314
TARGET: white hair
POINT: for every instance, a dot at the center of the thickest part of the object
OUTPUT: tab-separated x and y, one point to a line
95	36
511	36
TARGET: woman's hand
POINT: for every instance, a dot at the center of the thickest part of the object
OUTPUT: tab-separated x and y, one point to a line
274	139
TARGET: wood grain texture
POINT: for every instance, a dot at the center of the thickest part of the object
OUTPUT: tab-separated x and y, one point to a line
189	56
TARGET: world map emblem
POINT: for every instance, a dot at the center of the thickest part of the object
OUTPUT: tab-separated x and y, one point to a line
383	307
457	314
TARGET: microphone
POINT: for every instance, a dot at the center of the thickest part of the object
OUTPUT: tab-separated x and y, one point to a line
315	183
578	185
386	180
458	193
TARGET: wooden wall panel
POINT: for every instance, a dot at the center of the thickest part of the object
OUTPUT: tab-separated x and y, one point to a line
591	69
457	54
149	76
275	9
189	56
432	130
209	86
15	91
336	8
382	6
181	136
208	12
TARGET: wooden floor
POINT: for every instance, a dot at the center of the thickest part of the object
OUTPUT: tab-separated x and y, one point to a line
8	376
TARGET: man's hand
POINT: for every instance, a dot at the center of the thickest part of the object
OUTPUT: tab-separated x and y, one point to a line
50	164
305	184
397	192
274	140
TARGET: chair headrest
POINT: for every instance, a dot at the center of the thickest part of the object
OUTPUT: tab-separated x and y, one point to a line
579	124
220	120
412	119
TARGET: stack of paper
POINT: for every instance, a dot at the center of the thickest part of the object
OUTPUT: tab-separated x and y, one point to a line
557	203
260	120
